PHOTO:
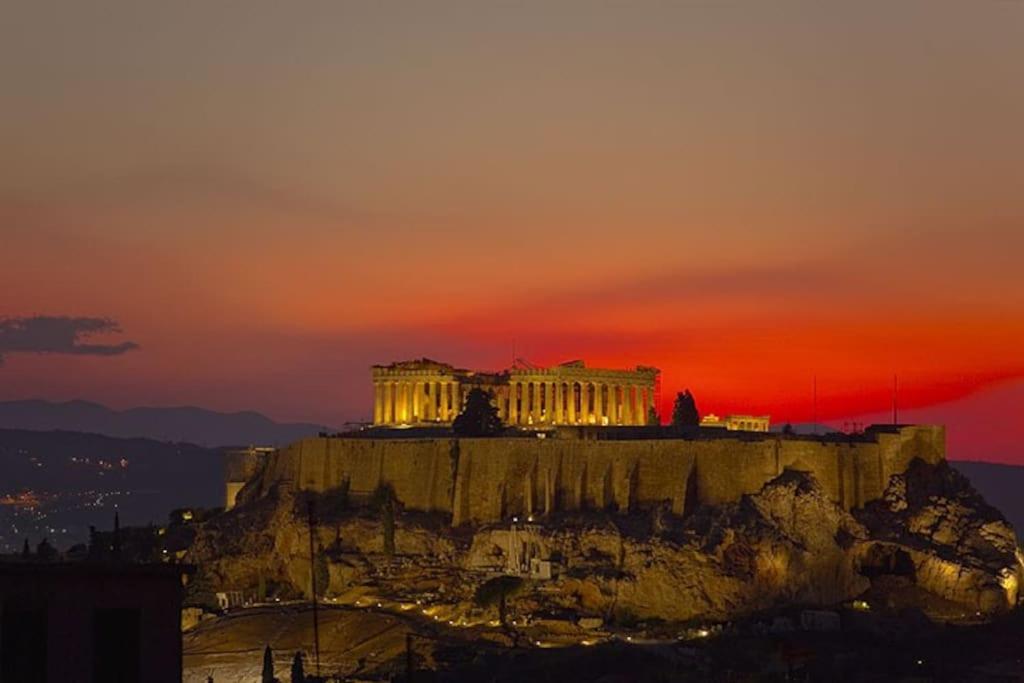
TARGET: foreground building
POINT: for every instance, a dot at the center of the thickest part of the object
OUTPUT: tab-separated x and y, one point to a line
424	392
90	622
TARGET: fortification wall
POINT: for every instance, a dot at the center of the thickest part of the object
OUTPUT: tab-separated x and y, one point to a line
486	480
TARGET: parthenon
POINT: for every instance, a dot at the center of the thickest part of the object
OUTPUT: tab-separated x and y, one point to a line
427	392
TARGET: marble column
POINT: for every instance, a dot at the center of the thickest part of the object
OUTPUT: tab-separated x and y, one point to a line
378	402
535	407
646	404
513	400
585	402
572	402
549	402
598	403
627	404
559	414
389	411
431	412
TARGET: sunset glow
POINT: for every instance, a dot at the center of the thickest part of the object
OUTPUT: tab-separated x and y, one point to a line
560	184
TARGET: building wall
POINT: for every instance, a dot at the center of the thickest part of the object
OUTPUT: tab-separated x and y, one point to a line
240	465
70	595
490	479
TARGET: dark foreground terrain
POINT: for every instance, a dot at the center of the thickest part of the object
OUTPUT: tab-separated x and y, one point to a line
370	644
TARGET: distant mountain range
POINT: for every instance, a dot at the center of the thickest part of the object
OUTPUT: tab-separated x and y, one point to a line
178	424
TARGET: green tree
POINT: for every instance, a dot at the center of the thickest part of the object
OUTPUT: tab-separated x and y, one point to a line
268	666
479	417
298	675
261	587
387	511
497	591
321	573
684	412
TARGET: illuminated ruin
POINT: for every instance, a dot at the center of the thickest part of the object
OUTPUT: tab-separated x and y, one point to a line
425	392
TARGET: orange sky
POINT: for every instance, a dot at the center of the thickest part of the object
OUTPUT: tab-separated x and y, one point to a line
270	199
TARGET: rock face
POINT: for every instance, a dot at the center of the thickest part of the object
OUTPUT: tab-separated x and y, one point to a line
787	544
958	546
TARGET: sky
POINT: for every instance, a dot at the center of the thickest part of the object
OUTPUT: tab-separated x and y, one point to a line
242	205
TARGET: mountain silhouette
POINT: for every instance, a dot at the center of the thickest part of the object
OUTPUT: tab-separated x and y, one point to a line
175	424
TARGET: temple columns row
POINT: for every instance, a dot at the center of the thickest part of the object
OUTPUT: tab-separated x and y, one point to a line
409	402
529	403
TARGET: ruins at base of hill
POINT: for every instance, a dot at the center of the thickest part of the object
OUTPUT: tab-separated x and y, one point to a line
610	526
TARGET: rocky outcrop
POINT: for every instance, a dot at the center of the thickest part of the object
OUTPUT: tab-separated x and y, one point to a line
787	544
959	547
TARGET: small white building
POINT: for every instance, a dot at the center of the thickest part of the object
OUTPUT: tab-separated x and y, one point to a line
738	423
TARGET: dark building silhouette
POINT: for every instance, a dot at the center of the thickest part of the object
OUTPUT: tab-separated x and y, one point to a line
90	622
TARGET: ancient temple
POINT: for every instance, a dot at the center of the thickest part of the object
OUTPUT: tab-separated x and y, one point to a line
425	392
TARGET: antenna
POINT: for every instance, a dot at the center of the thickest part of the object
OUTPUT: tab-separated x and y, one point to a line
895	404
814	399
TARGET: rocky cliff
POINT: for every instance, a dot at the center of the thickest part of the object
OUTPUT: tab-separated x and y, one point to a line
789	543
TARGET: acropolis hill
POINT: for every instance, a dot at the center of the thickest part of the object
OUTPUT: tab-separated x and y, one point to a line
579	465
609	517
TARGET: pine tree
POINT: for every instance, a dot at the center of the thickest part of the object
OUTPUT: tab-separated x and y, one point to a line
26	552
684	412
479	417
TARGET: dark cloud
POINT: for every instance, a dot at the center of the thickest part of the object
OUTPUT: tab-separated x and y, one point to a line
59	334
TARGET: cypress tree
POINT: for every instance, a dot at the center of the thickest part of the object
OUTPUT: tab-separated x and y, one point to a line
298	676
268	666
684	412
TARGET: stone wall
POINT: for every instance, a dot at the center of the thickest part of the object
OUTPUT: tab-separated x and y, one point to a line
490	479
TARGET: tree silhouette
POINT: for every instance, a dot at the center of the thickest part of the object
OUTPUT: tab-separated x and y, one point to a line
321	572
684	412
45	551
268	666
496	591
298	675
388	512
652	416
479	417
25	551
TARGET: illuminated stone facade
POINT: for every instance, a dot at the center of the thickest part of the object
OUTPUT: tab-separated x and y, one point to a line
423	392
738	423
